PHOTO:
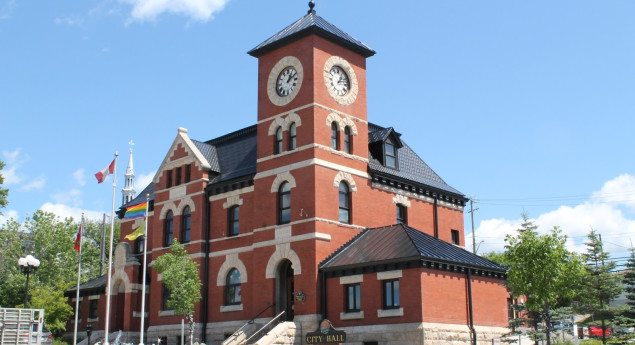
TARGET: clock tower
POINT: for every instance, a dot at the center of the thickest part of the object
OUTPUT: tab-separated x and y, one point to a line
312	135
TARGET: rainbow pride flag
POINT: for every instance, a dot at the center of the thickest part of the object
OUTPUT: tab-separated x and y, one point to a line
136	211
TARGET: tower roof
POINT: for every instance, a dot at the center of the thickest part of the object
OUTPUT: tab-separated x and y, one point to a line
311	23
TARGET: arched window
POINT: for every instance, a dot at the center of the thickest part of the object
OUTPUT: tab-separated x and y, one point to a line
348	140
186	224
232	287
234	217
345	203
168	229
292	137
284	203
335	136
277	146
401	214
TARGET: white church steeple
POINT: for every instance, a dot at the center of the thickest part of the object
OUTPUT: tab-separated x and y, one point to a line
128	192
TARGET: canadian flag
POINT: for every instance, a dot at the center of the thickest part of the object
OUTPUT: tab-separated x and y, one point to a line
78	239
101	176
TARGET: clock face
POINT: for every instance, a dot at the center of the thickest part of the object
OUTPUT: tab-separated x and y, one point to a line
286	82
339	81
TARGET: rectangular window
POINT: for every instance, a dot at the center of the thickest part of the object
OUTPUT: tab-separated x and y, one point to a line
353	298
455	237
163	340
390	155
401	214
164	300
391	294
188	173
94	309
168	179
234	220
178	176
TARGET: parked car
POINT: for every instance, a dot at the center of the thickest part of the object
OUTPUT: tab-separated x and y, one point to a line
596	331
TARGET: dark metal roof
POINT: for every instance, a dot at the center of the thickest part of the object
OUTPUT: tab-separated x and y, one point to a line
209	152
92	285
401	243
410	166
311	24
382	134
236	154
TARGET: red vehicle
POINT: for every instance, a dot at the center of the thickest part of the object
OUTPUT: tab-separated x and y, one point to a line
597	331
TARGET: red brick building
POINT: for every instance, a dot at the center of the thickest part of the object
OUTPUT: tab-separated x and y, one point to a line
314	212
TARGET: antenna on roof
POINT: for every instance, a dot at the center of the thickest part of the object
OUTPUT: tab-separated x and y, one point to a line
311	5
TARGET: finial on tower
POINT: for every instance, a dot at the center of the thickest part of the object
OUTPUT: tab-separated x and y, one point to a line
311	5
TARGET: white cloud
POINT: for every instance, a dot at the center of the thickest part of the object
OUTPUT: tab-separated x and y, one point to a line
620	190
13	161
143	181
6	215
65	211
70	21
6	12
72	197
37	183
199	10
79	177
603	214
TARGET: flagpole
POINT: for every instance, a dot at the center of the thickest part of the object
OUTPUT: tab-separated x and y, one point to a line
79	272
145	251
109	268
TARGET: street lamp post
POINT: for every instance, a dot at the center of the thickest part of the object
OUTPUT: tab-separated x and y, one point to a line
28	265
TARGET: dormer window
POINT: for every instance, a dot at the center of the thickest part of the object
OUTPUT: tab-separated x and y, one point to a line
390	155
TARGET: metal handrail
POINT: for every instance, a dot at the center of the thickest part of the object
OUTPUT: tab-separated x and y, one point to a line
250	322
275	319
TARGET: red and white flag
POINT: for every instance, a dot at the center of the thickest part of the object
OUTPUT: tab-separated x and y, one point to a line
101	176
78	239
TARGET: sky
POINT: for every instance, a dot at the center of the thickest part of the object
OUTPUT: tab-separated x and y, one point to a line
525	107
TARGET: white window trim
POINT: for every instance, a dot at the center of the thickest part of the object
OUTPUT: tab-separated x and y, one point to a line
396	274
352	316
231	308
389	312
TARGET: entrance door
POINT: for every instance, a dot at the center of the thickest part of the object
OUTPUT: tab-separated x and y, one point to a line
285	289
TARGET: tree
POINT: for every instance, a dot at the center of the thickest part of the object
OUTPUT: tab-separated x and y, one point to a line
57	310
180	277
604	285
542	269
4	193
626	318
51	240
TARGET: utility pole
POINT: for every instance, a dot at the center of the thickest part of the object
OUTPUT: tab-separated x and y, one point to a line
472	209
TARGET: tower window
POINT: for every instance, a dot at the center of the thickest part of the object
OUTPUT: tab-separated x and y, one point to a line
186	224
455	237
168	229
277	146
401	214
348	142
344	203
335	136
234	216
165	296
292	137
284	203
